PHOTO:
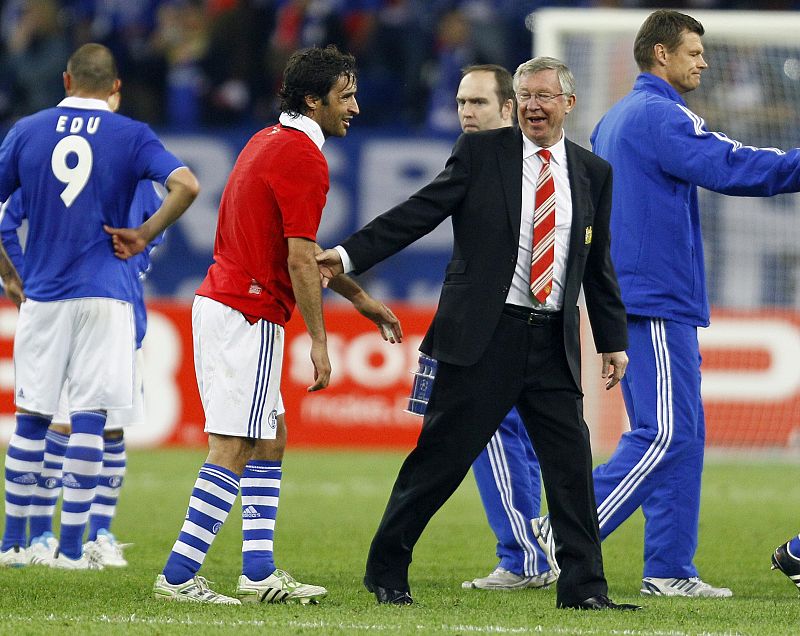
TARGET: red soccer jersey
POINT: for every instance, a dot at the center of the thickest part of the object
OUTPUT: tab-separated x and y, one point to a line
276	191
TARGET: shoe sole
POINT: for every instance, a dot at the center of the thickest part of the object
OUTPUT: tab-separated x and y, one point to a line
176	598
654	592
523	585
275	599
469	585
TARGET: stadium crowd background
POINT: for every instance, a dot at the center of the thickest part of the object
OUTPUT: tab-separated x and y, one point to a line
194	64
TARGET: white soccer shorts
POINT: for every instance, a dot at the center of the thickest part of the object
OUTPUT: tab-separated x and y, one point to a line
238	368
88	341
117	418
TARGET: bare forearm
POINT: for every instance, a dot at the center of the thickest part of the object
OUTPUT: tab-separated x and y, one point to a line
308	295
182	190
346	287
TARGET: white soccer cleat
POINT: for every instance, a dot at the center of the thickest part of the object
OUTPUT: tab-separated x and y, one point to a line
278	587
195	590
14	557
63	562
692	587
502	579
543	532
107	550
42	549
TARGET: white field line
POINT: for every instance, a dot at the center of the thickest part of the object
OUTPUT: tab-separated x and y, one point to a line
133	619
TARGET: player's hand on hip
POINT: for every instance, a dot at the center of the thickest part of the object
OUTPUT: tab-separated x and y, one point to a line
322	366
126	241
330	265
614	365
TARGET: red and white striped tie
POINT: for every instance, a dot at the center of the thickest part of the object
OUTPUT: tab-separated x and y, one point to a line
544	231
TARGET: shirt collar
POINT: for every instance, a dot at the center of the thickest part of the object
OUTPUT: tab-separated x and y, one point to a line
558	150
304	124
85	103
654	84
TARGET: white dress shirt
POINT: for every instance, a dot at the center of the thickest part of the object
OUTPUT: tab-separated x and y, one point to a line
520	292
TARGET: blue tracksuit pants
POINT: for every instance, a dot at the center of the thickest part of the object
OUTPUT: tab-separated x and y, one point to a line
509	482
658	463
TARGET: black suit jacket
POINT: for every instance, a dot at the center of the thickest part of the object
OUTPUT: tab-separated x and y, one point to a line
481	189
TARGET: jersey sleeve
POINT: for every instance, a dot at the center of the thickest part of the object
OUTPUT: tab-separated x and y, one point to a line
11	215
9	172
688	151
300	189
153	161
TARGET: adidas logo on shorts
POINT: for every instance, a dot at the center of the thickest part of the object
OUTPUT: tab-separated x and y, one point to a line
250	513
21	394
27	478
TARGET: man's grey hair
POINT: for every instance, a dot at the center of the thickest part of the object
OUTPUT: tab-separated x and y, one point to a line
543	63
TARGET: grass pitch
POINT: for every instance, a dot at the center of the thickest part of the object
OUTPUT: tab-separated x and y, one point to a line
330	505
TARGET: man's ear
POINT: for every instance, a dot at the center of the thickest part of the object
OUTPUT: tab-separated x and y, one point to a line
311	102
660	54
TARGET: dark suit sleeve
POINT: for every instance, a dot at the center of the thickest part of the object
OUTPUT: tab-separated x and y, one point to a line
397	228
600	286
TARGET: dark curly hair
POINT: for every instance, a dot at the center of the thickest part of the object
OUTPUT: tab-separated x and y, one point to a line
313	72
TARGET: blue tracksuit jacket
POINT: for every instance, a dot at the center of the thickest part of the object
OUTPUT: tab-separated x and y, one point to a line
661	151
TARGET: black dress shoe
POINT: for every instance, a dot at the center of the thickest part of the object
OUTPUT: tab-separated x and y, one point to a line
600	602
387	596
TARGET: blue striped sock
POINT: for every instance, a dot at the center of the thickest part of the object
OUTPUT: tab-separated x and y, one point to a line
48	487
794	547
24	460
212	497
261	489
82	463
111	476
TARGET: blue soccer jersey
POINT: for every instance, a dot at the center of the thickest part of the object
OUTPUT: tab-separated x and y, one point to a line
77	167
146	201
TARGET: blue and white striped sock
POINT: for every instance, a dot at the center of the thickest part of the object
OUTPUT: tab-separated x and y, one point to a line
794	547
112	474
82	463
48	486
24	460
261	489
213	496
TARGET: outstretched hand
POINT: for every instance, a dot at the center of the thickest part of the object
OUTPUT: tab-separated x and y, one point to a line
381	315
127	241
330	265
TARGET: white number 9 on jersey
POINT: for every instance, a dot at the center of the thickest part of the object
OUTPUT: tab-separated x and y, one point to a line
77	176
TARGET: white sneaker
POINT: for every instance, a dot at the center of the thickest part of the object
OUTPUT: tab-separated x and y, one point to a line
14	557
63	562
502	579
107	550
693	587
278	587
195	590
543	532
42	549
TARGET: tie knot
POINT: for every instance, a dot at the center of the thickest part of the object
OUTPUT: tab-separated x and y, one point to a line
545	154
